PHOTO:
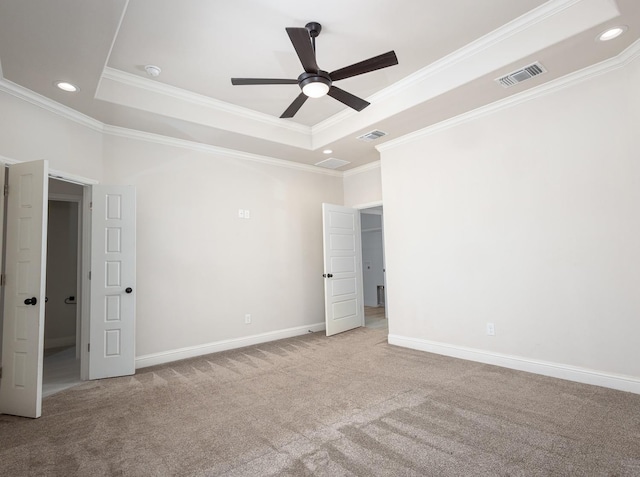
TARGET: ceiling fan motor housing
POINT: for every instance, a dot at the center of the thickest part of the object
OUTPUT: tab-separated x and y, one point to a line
319	77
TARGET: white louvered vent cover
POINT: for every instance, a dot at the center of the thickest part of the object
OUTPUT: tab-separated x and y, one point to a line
521	75
332	163
372	135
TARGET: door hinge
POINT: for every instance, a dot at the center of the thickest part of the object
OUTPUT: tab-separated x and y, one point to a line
3	280
88	347
6	190
89	274
90	205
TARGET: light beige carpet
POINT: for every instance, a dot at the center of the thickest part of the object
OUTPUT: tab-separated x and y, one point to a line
346	405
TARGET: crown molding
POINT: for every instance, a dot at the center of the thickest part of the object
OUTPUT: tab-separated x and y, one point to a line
622	60
359	170
50	105
66	112
209	149
201	100
499	35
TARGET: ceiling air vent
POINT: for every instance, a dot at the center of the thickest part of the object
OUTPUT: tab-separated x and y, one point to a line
332	163
372	135
521	75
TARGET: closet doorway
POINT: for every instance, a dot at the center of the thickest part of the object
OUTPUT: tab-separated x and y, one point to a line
112	316
61	366
373	267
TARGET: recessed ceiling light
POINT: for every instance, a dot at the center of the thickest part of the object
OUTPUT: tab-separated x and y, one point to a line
65	86
327	151
612	33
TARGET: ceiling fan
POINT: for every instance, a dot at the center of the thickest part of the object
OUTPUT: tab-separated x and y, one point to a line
315	82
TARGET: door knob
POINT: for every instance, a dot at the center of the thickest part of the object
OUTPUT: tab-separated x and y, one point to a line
128	290
31	301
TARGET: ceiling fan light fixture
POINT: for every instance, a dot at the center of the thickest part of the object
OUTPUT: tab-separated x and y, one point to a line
315	89
315	85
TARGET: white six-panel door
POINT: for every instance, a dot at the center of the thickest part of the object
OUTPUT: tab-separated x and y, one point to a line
3	174
113	282
344	304
26	246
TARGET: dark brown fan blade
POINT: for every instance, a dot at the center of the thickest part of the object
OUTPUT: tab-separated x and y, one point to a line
347	98
302	44
249	81
295	106
366	66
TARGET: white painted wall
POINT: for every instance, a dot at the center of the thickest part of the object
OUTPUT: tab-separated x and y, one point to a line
528	218
363	186
30	133
200	267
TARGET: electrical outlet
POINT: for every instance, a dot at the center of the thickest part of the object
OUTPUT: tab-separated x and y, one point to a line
247	214
491	330
241	213
247	319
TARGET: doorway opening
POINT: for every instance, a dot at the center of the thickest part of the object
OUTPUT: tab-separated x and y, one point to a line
62	331
373	267
108	305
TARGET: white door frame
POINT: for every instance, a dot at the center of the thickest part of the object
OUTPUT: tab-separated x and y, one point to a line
84	265
85	306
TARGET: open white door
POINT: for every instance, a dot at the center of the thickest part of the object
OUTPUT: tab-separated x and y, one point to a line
23	331
3	174
344	304
113	282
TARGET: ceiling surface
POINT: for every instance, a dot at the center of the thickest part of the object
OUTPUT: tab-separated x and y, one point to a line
449	55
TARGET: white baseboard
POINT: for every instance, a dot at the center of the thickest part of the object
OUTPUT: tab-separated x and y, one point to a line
555	370
224	345
59	342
